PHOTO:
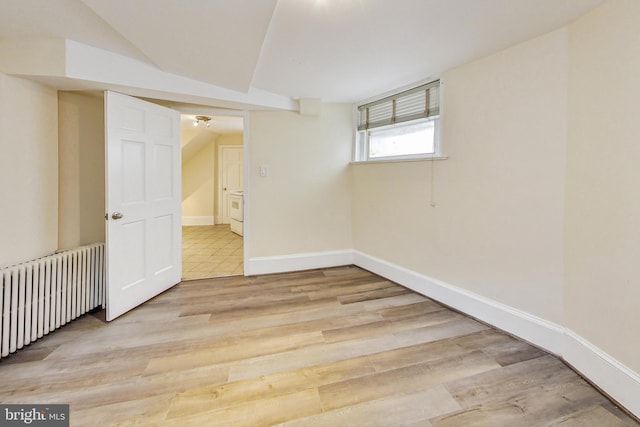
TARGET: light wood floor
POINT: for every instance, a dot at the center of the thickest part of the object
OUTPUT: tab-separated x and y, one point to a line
334	347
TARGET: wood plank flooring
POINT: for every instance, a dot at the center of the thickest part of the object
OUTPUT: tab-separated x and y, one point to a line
332	347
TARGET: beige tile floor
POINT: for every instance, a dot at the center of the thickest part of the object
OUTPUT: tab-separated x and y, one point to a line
211	251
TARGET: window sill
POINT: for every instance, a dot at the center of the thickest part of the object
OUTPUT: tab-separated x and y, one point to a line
415	159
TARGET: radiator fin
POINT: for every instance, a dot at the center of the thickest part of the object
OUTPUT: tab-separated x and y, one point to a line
40	296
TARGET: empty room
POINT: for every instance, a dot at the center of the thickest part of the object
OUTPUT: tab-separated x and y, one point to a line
319	212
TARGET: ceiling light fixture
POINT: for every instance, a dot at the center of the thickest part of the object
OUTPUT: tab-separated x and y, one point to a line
204	119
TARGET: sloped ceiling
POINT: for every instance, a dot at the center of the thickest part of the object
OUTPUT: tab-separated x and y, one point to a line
335	50
193	142
64	19
214	41
352	49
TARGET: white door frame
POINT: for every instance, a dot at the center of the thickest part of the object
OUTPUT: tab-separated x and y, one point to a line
246	225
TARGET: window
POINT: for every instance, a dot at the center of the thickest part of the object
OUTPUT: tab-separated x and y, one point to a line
401	126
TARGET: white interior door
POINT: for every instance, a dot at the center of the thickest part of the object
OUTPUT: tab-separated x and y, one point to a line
144	222
230	170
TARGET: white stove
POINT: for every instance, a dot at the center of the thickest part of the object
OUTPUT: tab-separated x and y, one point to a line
236	211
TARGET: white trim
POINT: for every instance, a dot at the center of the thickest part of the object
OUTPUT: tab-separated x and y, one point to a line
398	160
620	382
540	332
246	181
198	220
297	262
611	376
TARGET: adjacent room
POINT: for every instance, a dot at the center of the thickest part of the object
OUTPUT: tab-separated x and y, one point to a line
212	195
320	212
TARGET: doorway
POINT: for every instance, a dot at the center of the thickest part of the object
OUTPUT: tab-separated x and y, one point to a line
209	176
211	251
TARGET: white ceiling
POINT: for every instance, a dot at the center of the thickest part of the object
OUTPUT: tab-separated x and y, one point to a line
219	124
216	41
336	50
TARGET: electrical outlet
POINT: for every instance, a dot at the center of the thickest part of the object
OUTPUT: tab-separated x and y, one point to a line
264	171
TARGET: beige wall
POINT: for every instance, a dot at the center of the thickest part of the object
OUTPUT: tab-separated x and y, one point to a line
28	170
603	181
198	179
536	206
304	204
230	139
497	226
200	171
82	169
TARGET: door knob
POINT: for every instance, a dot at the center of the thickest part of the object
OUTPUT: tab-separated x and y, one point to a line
116	215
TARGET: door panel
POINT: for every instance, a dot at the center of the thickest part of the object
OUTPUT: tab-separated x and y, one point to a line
163	242
231	167
143	186
133	254
133	172
162	182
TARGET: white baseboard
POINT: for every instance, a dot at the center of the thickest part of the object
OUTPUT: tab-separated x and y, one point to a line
611	376
618	381
297	262
538	331
197	220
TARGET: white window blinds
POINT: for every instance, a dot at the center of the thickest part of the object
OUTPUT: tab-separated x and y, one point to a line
417	103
